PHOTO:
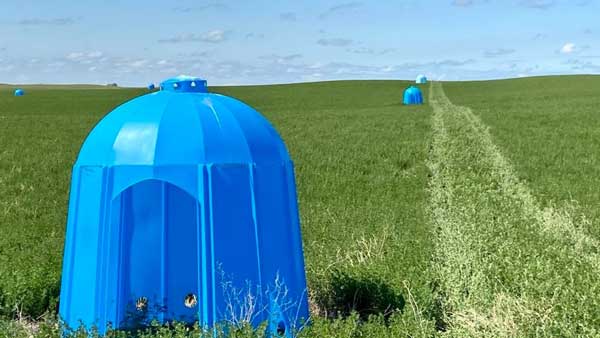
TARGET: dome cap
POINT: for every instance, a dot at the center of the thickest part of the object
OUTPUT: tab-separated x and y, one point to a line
184	84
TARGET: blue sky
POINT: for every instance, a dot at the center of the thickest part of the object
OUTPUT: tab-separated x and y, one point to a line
253	42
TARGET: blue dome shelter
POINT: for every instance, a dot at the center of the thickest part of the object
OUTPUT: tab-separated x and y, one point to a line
421	79
19	92
412	95
181	202
151	86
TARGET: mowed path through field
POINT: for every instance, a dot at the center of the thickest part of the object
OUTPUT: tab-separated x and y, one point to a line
506	266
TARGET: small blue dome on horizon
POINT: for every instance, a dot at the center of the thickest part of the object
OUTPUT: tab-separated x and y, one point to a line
412	95
421	79
19	92
151	86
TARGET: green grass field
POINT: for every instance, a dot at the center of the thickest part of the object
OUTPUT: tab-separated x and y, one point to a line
473	215
549	128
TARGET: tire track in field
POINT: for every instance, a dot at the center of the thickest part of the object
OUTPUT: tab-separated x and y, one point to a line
506	266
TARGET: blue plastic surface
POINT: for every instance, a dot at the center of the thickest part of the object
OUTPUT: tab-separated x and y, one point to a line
151	86
177	197
413	95
19	92
421	79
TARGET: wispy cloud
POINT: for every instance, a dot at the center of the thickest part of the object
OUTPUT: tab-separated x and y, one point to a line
491	53
52	21
371	51
580	65
6	68
182	9
281	58
339	9
213	36
196	54
538	4
209	6
84	57
462	3
254	35
335	42
288	16
467	3
454	63
272	68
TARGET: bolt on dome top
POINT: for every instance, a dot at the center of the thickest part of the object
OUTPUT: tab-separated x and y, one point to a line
184	84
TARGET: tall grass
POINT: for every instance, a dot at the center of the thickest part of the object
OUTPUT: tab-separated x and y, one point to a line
507	266
549	127
360	165
414	224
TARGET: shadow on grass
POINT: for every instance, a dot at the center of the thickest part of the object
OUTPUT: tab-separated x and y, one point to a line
342	294
436	310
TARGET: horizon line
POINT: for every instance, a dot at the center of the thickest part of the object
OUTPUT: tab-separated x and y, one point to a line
108	85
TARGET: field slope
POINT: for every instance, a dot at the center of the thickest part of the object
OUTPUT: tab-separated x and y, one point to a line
549	127
508	266
360	164
474	215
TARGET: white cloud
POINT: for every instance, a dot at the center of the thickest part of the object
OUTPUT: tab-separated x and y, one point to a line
214	5
568	48
341	8
138	63
213	36
84	56
216	35
74	55
491	53
281	58
371	51
54	21
335	42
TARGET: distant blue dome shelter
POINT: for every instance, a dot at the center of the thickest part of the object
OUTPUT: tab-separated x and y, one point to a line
181	202
151	86
19	92
412	95
421	79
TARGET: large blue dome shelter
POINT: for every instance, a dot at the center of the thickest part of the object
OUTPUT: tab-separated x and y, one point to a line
19	92
181	202
421	79
412	95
